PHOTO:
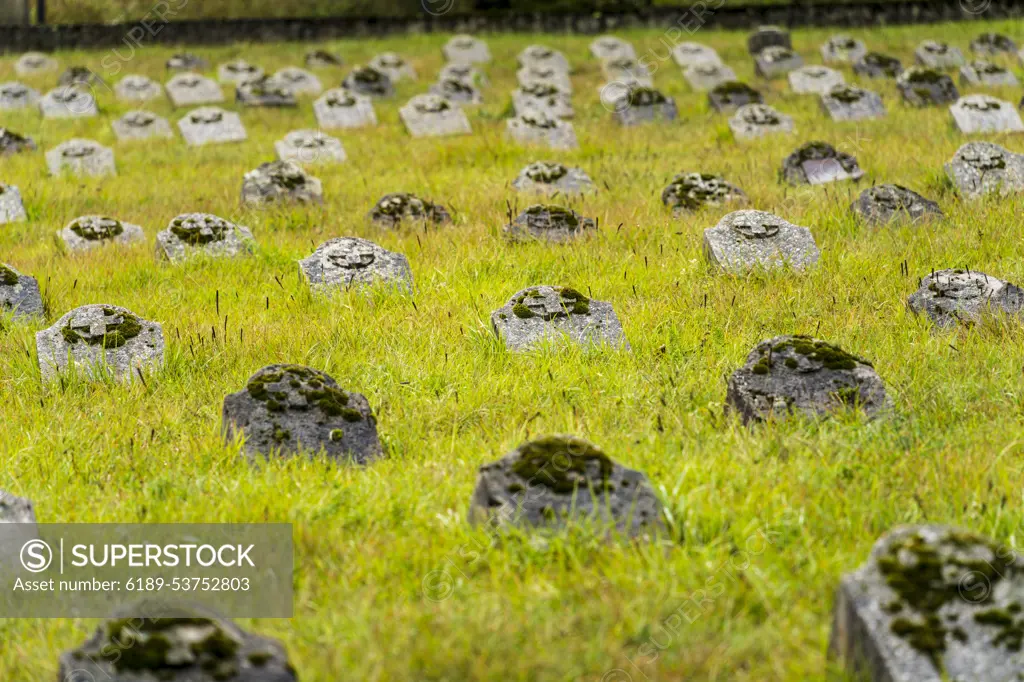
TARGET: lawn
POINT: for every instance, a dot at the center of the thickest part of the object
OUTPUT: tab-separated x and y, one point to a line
391	582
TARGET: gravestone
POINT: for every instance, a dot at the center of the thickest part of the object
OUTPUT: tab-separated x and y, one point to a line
689	192
281	181
843	49
211	125
937	55
544	96
984	114
802	376
350	262
882	204
68	102
100	340
192	234
457	91
136	88
19	294
627	70
264	92
768	36
290	409
190	89
33	63
392	209
992	44
981	72
555	481
931	603
366	80
708	75
310	147
545	57
434	116
13	143
546	222
16	509
692	54
951	297
339	108
12	210
641	104
544	314
463	49
609	47
815	80
732	95
238	71
876	65
186	61
322	59
141	125
537	127
773	62
980	168
464	73
850	103
553	178
79	75
923	87
816	163
747	240
544	75
81	157
297	81
752	121
14	95
91	231
393	66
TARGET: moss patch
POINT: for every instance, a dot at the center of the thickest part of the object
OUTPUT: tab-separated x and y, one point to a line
164	645
831	356
560	464
8	277
313	387
116	335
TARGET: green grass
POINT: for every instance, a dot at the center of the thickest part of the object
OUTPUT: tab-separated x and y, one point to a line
765	519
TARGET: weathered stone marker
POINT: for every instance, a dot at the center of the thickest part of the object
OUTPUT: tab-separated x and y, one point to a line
752	121
340	108
814	79
545	97
776	61
91	231
191	89
553	178
81	157
545	75
68	101
768	36
15	509
366	80
457	91
141	125
689	192
816	163
546	222
992	44
211	125
310	147
604	48
877	65
984	114
641	104
543	56
981	72
263	92
238	71
297	81
393	209
33	63
14	95
980	168
537	127
393	66
843	49
281	181
13	143
937	55
351	262
12	209
434	116
746	240
951	297
708	75
464	49
186	61
136	88
882	204
19	294
849	103
732	95
692	54
922	87
322	59
546	314
192	234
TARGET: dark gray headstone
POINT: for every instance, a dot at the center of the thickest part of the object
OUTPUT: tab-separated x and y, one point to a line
339	108
937	55
843	49
693	191
351	262
773	62
12	209
310	147
732	95
816	163
981	72
748	240
211	125
545	314
876	65
550	223
464	49
192	234
691	54
68	101
552	178
984	114
641	104
922	87
33	63
457	90
91	231
882	204
394	209
604	48
238	71
81	157
537	127
281	181
186	61
15	509
814	80
394	66
992	44
543	56
137	88
141	125
980	168
707	75
322	59
850	103
191	89
768	36
13	143
263	92
544	96
14	95
951	297
366	80
19	294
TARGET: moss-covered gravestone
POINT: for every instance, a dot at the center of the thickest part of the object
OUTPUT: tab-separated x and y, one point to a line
814	79
951	297
984	114
100	340
192	234
938	55
297	81
545	97
464	49
81	157
799	375
15	95
850	103
877	65
394	66
191	89
883	204
980	168
692	54
546	314
543	56
981	72
137	88
68	101
768	36
534	126
79	75
351	262
842	49
90	231
322	59
464	73
33	63
339	108
774	62
546	222
310	147
689	192
640	104
992	44
264	92
19	294
747	240
817	163
186	61
752	121
281	181
559	480
15	509
141	125
457	91
393	209
604	48
12	210
238	71
13	143
545	75
288	409
932	603
211	125
732	95
432	115
708	75
552	178
366	80
627	70
151	642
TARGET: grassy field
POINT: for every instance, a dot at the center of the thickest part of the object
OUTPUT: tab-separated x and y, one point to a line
765	520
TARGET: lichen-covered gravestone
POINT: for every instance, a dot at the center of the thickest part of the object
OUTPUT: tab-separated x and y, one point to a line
843	49
692	54
732	95
13	143
752	121
817	163
544	75
463	49
90	231
627	70
434	116
12	210
393	66
15	509
984	114
351	262
339	108
552	178
980	168
611	47
192	234
543	56
877	65
310	147
33	63
297	81
951	297
322	59
922	87
642	105
814	80
14	95
773	62
937	55
68	102
747	240
545	97
932	603
537	127
79	75
81	157
768	36
190	89
136	88
141	125
186	61
992	44
800	375
707	75
392	210
882	204
19	294
263	92
457	90
211	125
557	480
99	340
981	72
366	80
689	192
281	181
850	103
544	314
464	73
546	222
238	71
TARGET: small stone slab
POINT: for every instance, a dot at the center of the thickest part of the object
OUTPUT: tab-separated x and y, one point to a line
136	88
543	56
708	75
931	603
642	104
297	81
19	295
141	125
15	509
465	49
79	75
992	44
627	70
81	157
552	178
611	47
692	54
537	127
350	262
192	234
33	63
776	61
310	147
747	240
393	209
732	95
544	96
544	75
186	61
768	36
877	65
980	168
850	103
842	49
938	55
98	340
457	91
15	95
281	181
689	192
13	143
211	125
952	297
322	59
555	481
366	80
264	92
817	163
12	210
190	89
291	409
752	121
984	114
434	116
882	204
981	72
238	71
68	102
922	87
545	314
814	80
394	67
339	108
546	222
799	375
92	231
465	73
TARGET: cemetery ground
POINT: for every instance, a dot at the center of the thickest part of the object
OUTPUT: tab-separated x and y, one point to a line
391	581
